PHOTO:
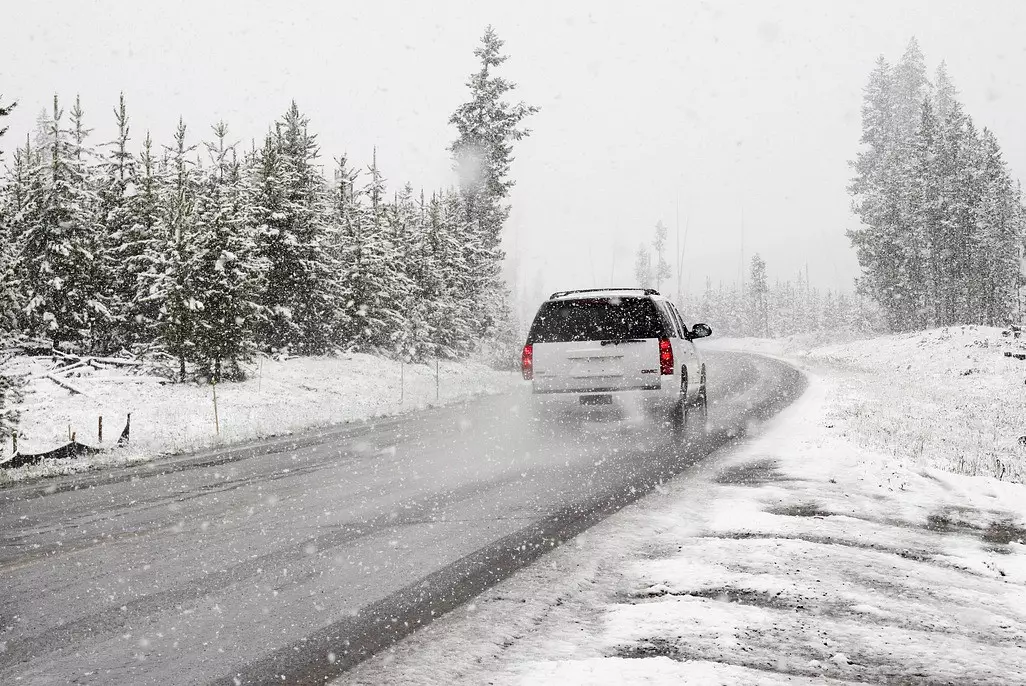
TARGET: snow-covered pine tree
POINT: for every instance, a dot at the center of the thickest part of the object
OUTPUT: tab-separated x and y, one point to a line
226	270
954	154
487	126
290	205
405	239
999	217
142	250
874	241
168	285
906	235
115	245
927	202
644	275
757	301
445	291
368	269
343	203
57	230
944	92
14	195
661	269
5	110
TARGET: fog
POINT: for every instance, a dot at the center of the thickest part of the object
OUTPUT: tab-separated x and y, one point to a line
725	119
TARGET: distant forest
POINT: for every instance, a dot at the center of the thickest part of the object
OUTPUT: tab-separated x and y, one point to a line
942	222
208	253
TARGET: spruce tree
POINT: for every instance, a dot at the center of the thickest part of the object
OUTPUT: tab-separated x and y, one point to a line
116	247
757	309
58	231
143	250
5	110
290	210
487	126
661	268
226	270
643	273
168	286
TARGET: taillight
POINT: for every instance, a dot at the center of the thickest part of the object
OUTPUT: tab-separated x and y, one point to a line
665	356
527	362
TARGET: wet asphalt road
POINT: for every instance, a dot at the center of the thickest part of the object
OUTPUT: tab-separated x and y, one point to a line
290	560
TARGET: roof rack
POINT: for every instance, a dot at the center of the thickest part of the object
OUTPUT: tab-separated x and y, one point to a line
560	294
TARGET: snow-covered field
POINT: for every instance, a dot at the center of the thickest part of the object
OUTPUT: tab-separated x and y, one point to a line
830	549
278	397
945	398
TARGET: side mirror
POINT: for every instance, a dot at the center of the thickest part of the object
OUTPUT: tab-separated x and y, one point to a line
700	331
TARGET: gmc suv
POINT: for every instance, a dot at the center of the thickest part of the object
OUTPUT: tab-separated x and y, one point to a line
622	346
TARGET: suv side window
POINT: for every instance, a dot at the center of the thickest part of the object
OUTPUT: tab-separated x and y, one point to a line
669	321
680	321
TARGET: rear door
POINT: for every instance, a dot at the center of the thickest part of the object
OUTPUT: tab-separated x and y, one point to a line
688	354
596	345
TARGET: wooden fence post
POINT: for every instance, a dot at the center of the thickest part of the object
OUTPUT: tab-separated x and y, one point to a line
217	424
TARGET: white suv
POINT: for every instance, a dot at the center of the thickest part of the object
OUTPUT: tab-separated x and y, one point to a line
624	346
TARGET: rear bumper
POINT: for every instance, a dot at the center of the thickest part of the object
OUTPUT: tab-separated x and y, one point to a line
650	399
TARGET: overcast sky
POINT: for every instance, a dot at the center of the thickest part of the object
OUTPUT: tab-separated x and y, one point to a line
729	109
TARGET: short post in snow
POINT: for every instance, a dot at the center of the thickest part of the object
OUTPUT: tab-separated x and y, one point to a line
14	443
99	429
217	425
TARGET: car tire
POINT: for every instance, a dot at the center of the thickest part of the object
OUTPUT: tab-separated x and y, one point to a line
680	410
698	414
689	420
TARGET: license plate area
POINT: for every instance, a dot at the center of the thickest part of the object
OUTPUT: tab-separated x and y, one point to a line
603	399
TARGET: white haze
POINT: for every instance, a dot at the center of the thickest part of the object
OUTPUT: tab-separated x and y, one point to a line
726	109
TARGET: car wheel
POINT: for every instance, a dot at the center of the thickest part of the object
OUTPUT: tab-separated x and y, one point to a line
680	410
698	413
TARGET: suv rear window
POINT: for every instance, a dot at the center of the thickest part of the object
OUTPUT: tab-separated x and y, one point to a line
596	319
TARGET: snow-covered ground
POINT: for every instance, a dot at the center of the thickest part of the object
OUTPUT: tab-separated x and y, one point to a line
946	398
279	397
830	549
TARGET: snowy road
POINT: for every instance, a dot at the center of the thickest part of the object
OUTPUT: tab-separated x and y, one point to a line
300	557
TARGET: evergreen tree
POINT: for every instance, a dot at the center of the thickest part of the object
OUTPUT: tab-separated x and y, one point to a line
450	309
945	95
374	283
999	217
117	248
643	273
142	250
169	286
57	230
487	126
661	268
936	207
758	299
289	201
224	266
5	110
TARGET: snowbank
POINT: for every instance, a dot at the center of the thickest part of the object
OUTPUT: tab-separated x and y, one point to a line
946	398
278	397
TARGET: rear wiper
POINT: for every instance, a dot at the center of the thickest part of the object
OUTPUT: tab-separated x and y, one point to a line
618	341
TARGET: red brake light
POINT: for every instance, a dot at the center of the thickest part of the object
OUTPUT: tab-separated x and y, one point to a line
665	356
527	362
